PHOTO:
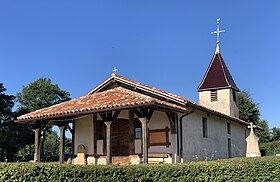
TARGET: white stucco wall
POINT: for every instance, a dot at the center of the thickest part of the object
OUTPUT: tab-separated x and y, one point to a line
215	145
159	120
84	133
224	104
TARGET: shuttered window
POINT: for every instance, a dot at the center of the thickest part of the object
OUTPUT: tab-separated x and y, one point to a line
214	95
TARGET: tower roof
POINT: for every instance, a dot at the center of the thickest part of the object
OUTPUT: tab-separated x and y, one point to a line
217	75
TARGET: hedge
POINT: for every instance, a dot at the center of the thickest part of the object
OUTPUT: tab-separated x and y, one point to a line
241	169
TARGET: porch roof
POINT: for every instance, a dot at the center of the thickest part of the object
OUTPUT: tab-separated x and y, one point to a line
113	99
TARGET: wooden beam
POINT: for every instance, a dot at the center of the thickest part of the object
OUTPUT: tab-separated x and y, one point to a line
115	116
95	134
37	128
108	142
103	116
150	114
144	113
62	143
37	155
144	122
172	119
69	128
138	113
131	133
109	116
73	139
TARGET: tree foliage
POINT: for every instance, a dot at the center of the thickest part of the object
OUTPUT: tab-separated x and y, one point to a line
264	134
12	135
39	94
275	134
6	105
36	95
249	111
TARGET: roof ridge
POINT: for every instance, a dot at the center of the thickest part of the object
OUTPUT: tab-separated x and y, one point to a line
224	71
151	87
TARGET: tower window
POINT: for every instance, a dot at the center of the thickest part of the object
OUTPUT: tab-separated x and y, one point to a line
214	95
234	95
204	127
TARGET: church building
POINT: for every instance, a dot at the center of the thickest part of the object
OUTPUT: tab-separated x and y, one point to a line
122	121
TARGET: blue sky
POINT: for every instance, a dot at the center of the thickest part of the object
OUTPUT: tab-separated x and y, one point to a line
165	44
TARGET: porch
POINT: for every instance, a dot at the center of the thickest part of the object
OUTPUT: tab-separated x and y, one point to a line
94	135
112	126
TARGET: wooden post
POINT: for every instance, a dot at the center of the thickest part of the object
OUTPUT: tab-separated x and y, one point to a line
37	155
62	143
131	133
108	141
144	140
73	140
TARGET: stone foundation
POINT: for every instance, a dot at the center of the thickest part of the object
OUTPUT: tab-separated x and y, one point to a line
126	160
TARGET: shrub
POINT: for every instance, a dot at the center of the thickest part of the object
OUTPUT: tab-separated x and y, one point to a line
241	169
270	148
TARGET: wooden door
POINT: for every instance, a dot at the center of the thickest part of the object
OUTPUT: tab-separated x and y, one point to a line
120	138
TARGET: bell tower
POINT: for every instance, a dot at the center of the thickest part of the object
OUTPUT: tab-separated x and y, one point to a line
217	89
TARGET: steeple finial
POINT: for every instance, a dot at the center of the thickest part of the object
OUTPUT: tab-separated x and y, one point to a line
114	71
217	32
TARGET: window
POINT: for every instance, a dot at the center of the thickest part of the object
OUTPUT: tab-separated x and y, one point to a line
234	95
100	130
137	129
204	127
228	128
229	148
214	95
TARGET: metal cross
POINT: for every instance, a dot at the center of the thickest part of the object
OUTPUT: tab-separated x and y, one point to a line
217	32
115	70
251	127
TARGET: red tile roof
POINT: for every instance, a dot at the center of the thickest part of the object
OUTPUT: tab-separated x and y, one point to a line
112	99
139	86
164	94
217	75
98	100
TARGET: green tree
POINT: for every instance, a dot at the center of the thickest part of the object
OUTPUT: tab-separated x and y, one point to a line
10	137
275	134
263	134
39	94
6	105
249	111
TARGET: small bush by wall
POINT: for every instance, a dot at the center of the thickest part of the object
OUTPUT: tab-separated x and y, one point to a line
241	169
270	148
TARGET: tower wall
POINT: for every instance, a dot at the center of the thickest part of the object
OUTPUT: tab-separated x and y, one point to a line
225	101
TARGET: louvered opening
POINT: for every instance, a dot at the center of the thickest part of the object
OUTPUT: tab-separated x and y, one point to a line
214	95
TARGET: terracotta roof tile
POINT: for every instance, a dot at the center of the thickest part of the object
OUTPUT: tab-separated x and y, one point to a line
110	99
117	98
